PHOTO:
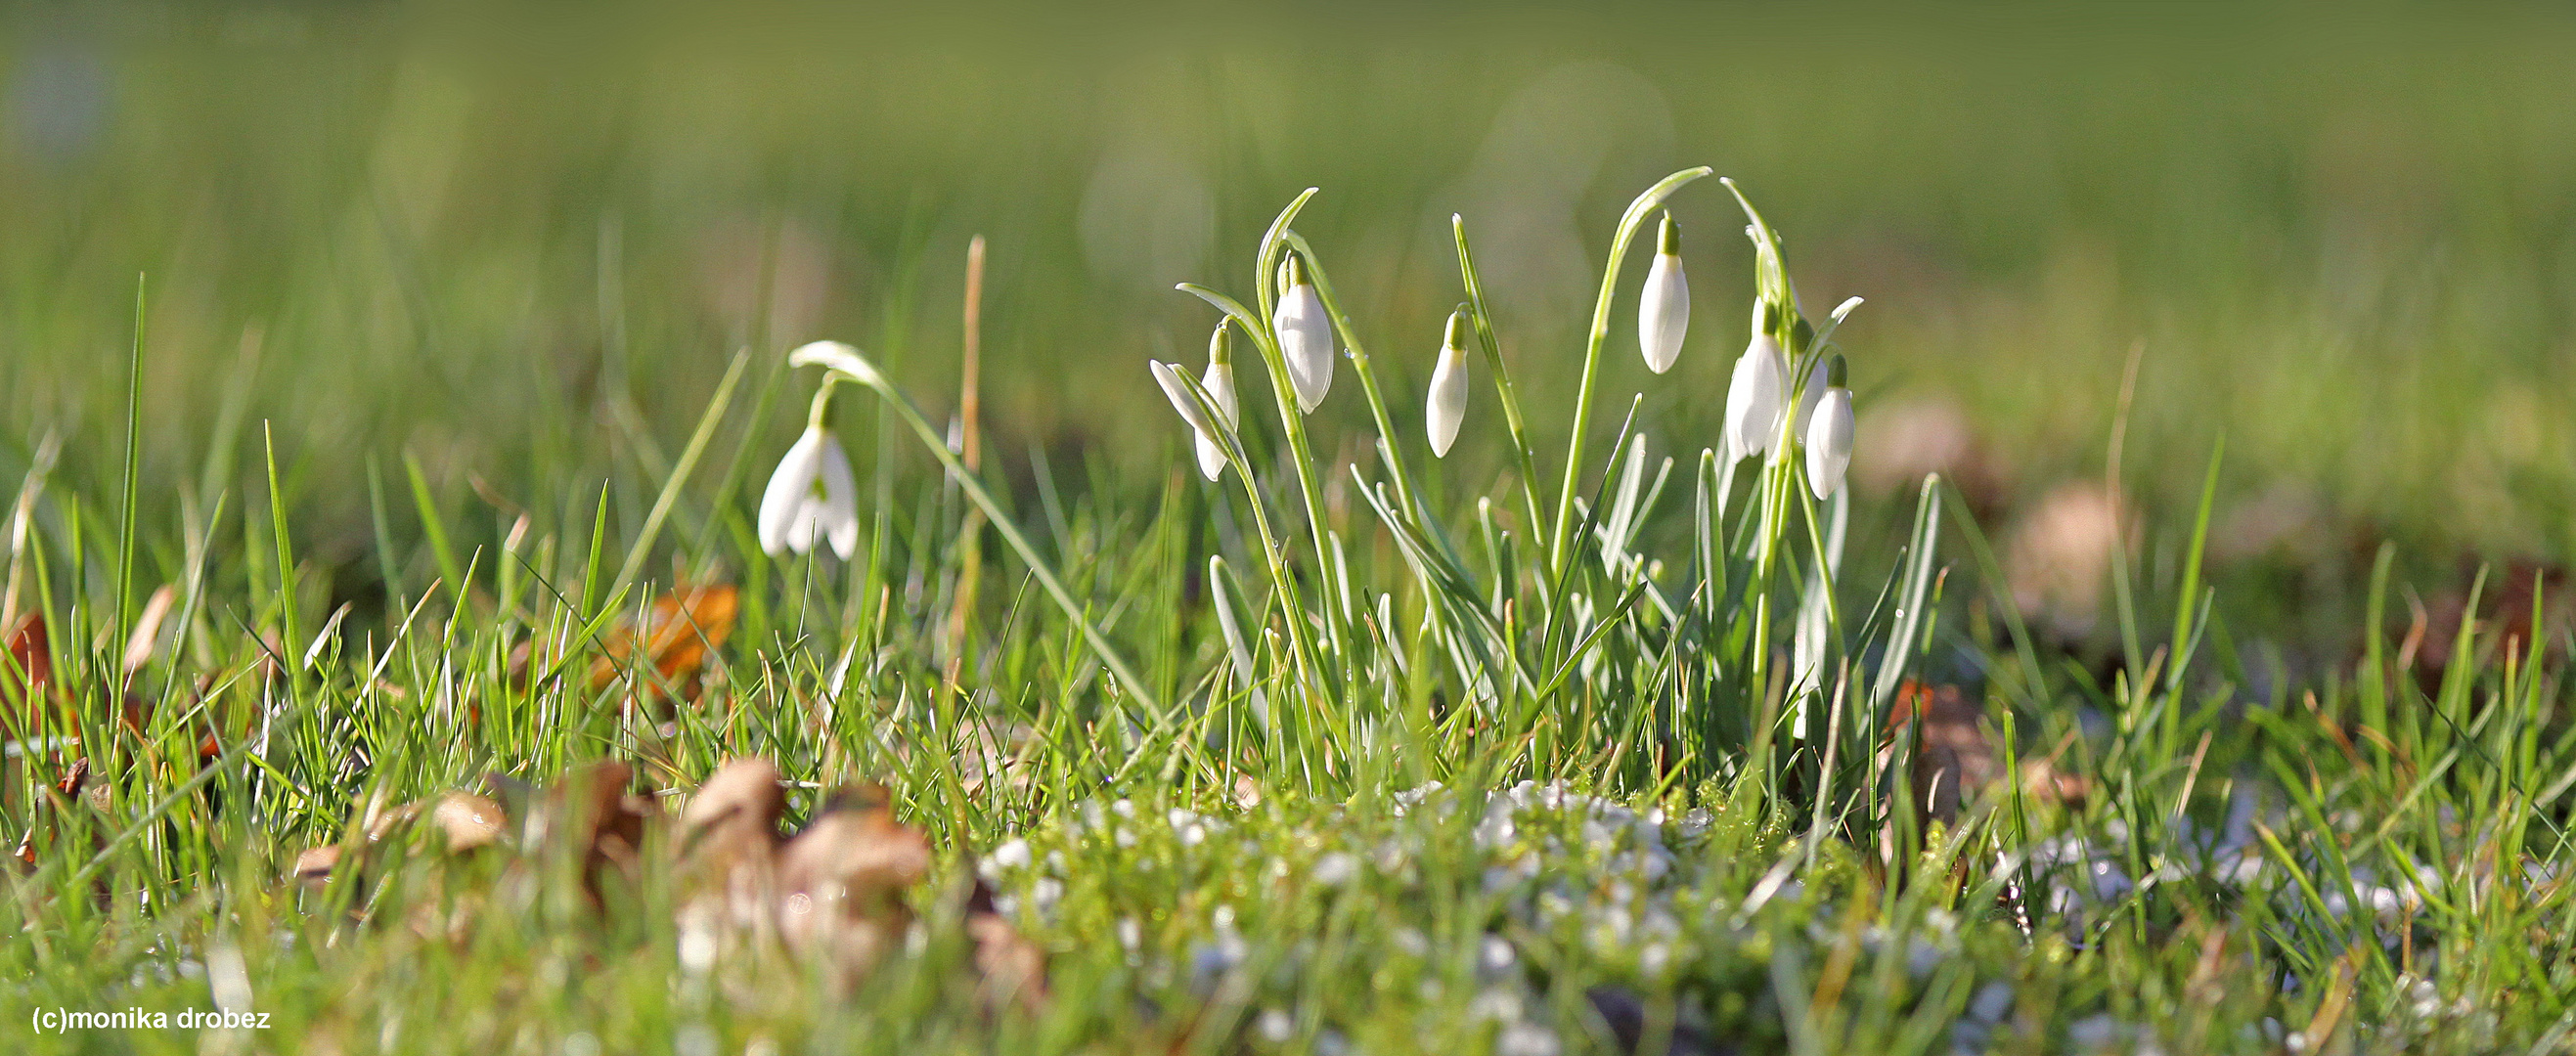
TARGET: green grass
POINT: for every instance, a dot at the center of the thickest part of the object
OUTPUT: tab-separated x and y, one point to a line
1492	753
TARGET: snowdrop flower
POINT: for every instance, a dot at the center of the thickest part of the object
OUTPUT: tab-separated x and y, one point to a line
1754	397
1807	399
811	494
1663	309
1305	336
1219	383
1448	402
1829	437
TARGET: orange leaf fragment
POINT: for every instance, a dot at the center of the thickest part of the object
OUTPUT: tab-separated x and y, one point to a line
683	628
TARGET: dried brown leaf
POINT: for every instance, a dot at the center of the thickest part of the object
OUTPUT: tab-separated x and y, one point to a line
31	663
146	639
470	822
1012	967
843	880
1954	756
316	864
682	630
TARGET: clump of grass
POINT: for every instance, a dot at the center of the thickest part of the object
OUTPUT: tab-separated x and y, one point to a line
1263	773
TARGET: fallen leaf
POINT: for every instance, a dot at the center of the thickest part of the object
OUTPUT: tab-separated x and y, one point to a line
146	639
1954	755
31	663
843	880
74	792
729	846
470	822
316	864
683	628
2057	561
2041	780
2504	614
591	807
1013	968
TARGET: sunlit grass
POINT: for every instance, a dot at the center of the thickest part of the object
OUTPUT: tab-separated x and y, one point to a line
438	464
1257	776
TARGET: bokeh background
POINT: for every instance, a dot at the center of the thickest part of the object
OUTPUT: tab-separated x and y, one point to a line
520	249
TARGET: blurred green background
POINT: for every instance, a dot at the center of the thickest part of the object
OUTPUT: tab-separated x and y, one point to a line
521	249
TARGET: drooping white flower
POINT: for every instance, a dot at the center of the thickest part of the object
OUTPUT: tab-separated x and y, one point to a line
810	496
1663	308
1219	383
1447	404
1829	437
1753	399
1305	336
1814	391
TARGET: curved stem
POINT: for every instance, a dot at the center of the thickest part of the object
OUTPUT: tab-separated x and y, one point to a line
1273	557
848	362
1636	214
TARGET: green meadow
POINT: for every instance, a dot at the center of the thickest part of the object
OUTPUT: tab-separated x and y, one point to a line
438	620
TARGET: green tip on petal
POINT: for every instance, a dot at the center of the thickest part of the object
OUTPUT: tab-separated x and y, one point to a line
1837	374
1457	336
1668	239
1221	343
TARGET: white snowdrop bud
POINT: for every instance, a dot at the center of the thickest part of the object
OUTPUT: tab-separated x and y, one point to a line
811	495
1829	437
1447	405
1753	399
1663	309
1305	336
1219	383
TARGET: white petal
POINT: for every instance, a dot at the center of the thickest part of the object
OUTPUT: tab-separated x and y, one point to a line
1219	382
1807	400
1829	443
1169	377
1306	342
801	526
1753	399
1447	405
1211	455
838	509
1663	312
781	501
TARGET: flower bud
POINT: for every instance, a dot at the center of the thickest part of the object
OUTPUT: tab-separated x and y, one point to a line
1447	405
1829	437
1663	308
1305	336
1219	383
1753	399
